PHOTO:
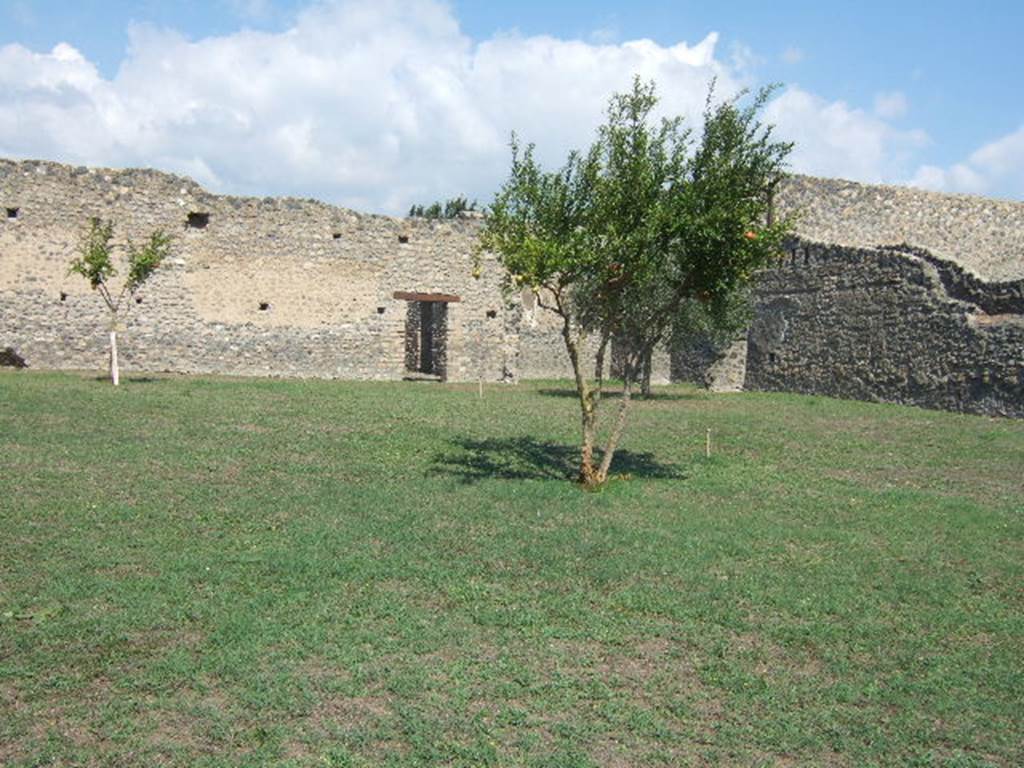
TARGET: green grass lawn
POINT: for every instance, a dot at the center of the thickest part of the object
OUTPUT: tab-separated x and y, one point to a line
208	572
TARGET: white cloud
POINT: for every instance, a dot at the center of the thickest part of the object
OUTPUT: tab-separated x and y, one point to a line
834	139
380	103
374	104
890	105
744	59
997	168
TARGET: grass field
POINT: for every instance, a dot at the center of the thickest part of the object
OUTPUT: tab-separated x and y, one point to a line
205	572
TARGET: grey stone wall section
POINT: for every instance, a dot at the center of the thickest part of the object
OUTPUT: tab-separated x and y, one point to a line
983	236
413	318
439	338
879	325
693	359
919	299
718	367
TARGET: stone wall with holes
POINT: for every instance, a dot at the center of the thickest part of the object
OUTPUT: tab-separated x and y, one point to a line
921	301
274	287
884	324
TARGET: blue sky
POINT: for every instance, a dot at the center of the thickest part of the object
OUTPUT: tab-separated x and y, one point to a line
379	104
960	66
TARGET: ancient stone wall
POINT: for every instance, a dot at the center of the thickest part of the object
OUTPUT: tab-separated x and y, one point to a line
716	366
888	293
919	299
985	237
542	353
885	324
879	324
278	287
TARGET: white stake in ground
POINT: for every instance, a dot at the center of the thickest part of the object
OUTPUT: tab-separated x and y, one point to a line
115	374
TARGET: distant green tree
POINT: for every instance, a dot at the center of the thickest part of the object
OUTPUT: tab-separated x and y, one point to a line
450	209
642	227
95	262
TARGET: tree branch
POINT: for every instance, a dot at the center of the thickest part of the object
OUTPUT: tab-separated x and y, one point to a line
108	300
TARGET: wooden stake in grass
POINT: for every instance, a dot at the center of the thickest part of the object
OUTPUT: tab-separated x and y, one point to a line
707	444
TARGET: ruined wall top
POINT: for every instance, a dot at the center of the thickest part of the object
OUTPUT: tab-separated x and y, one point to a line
159	184
983	235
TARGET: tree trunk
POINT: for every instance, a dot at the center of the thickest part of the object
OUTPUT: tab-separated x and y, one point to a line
588	418
588	475
645	378
114	371
588	409
620	424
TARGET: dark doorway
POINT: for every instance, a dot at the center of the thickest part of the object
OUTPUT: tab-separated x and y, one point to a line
426	338
426	334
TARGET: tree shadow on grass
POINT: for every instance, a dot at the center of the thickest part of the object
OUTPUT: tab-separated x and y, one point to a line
525	458
615	394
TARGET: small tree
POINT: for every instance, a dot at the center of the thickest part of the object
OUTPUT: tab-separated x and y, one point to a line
624	238
96	264
451	209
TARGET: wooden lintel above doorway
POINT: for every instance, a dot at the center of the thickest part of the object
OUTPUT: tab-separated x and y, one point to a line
412	296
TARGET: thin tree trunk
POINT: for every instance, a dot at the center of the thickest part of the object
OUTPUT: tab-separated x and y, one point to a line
588	409
645	379
620	424
588	474
114	371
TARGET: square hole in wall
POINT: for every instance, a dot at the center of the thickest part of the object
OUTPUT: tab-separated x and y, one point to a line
403	239
336	236
264	306
198	220
380	310
12	213
491	314
63	296
9	358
